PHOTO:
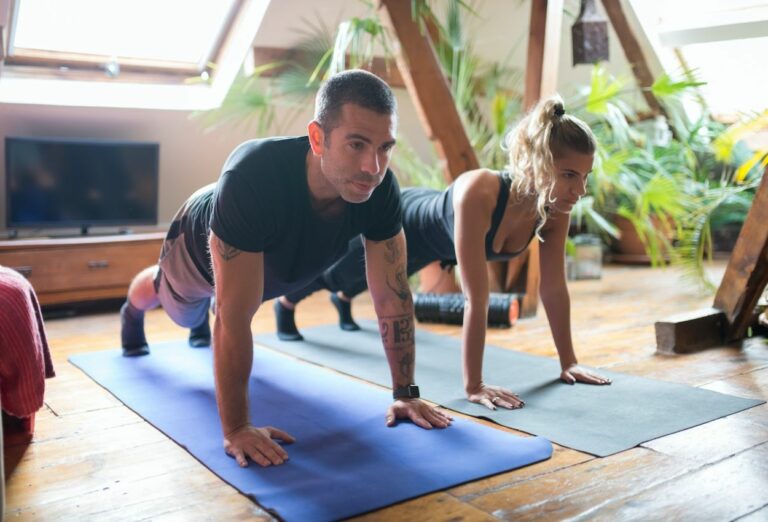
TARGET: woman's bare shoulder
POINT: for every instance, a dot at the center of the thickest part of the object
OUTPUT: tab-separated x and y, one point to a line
478	184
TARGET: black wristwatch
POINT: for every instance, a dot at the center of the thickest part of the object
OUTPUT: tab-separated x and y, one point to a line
406	392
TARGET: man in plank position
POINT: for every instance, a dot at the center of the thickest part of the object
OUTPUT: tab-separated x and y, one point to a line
283	210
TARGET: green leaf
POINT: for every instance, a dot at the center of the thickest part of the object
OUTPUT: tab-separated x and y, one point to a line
603	89
570	247
664	86
662	195
321	64
499	113
584	210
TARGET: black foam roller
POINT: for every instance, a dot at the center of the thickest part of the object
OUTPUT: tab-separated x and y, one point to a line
503	309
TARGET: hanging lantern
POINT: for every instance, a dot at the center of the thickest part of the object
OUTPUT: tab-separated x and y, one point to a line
589	35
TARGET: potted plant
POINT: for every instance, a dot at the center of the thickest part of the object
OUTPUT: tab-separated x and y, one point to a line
662	190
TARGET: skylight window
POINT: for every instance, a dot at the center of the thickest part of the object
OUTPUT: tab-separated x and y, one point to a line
147	32
172	54
721	41
735	74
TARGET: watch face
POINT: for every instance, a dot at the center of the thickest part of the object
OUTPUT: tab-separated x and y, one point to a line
407	392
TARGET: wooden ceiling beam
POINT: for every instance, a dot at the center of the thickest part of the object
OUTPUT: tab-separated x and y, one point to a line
543	50
634	53
429	89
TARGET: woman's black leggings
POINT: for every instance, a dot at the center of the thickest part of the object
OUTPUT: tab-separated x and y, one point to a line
347	274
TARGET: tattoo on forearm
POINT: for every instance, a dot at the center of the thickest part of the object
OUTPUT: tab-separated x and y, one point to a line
226	251
400	286
397	335
396	332
393	253
406	366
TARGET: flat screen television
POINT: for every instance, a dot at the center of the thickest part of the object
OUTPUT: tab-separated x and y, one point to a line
57	182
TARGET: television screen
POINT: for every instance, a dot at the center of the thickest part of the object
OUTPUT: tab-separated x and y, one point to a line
53	182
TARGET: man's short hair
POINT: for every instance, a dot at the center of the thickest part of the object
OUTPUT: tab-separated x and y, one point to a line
354	86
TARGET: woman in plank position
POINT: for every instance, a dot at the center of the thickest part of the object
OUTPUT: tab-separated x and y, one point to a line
484	216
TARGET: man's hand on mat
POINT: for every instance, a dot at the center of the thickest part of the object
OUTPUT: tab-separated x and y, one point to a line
257	444
576	373
420	413
492	396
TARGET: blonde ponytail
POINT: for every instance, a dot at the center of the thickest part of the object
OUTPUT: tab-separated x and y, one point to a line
544	133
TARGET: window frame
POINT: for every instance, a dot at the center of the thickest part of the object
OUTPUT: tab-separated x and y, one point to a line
92	67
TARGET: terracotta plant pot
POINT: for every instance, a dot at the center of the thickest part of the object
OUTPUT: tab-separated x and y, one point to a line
629	246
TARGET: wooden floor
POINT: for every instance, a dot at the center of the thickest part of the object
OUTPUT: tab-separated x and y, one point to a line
93	459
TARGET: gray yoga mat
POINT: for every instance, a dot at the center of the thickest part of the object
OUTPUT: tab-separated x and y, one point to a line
601	420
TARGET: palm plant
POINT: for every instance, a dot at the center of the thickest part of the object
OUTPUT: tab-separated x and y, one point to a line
721	192
285	85
670	192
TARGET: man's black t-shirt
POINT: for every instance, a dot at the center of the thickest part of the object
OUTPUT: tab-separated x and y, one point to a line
262	203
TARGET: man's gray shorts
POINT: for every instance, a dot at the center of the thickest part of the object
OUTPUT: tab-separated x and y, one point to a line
182	290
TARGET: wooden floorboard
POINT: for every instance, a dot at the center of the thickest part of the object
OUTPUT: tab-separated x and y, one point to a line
751	384
724	490
93	459
714	441
578	490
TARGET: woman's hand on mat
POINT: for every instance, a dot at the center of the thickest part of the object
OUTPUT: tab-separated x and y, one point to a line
495	396
257	444
576	373
420	413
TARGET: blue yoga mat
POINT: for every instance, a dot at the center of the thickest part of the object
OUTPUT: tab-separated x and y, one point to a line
345	461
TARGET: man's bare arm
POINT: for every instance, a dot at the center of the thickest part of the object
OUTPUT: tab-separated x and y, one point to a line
239	284
388	284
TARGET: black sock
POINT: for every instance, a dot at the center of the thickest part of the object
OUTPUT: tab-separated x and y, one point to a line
345	313
286	326
132	331
200	335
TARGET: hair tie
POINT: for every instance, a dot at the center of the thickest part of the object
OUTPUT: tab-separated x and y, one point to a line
559	111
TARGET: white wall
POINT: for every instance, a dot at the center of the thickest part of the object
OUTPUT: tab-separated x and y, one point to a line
191	157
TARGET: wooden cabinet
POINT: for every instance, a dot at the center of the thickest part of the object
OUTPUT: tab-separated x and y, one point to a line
81	269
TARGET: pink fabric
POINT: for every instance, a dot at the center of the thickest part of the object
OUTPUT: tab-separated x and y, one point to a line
25	360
